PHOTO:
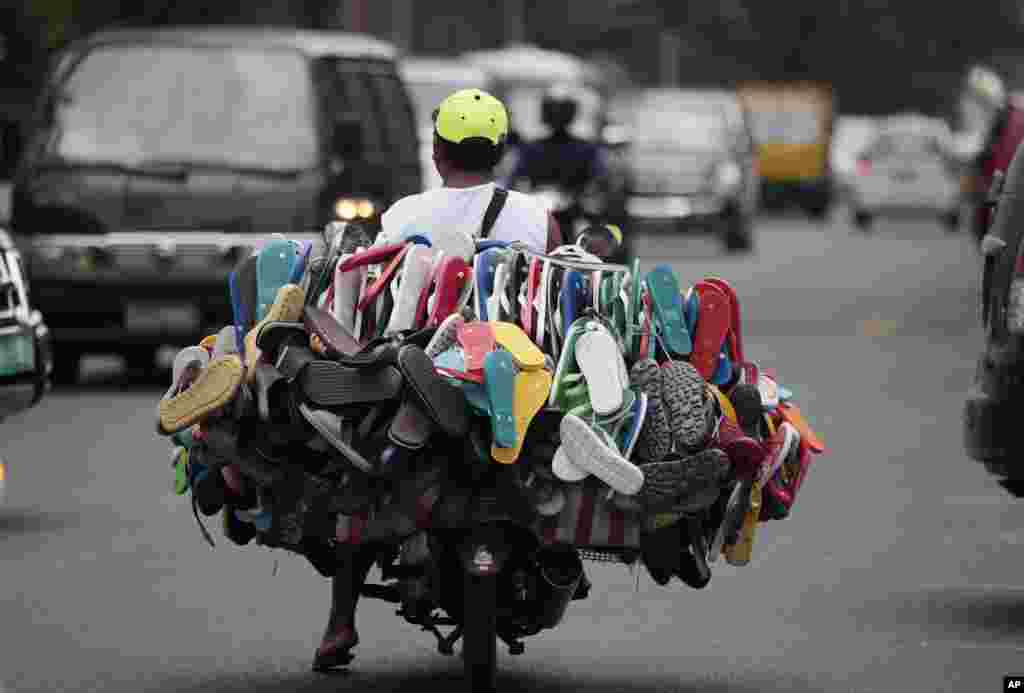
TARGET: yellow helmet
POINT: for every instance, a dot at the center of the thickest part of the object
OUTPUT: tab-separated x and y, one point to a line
471	113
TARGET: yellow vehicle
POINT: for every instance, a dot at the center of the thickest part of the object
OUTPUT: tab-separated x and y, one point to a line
793	124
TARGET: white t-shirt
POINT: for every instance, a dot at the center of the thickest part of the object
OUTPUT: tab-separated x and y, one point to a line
462	209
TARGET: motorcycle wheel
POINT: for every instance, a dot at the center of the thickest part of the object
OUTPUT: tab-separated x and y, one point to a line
480	633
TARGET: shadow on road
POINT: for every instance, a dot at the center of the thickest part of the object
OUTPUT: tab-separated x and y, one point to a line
30	521
399	681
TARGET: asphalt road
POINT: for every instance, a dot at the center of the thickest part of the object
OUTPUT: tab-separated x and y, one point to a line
899	570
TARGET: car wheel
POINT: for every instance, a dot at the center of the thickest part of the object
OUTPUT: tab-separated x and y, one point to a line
863	220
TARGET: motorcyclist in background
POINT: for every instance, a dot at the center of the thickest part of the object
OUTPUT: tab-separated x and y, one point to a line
992	127
566	162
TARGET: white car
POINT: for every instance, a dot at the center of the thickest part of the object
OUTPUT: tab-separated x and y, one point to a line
906	167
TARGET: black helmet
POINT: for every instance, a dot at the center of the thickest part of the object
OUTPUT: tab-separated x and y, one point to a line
559	107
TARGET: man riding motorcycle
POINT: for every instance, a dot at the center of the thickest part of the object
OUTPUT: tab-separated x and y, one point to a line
575	170
470	133
992	128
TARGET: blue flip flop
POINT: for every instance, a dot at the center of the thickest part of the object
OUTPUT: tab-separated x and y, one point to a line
499	380
484	266
723	371
238	309
571	298
785	394
490	243
691	309
667	303
300	265
274	267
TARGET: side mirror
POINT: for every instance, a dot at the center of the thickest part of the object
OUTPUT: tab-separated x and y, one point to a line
347	140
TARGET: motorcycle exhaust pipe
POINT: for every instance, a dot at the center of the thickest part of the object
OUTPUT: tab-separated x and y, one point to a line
560	570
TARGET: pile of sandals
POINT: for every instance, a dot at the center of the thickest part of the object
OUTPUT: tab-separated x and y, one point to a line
361	385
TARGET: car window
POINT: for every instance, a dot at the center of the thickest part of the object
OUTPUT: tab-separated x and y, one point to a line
132	104
347	99
687	130
397	115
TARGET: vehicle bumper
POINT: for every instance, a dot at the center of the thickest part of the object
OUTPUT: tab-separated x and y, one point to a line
688	209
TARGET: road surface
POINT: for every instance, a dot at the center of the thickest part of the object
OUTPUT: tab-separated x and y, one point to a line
898	571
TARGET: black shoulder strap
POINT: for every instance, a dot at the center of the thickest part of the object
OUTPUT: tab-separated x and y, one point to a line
493	210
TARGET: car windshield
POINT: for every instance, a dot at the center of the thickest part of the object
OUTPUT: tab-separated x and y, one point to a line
139	104
695	130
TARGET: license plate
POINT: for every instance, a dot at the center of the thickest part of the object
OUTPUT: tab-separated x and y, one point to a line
17	354
161	317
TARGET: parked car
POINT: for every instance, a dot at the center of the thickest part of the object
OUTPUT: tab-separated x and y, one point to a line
793	126
159	157
906	168
692	162
429	80
993	406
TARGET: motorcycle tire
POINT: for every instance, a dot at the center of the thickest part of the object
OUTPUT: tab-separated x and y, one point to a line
480	633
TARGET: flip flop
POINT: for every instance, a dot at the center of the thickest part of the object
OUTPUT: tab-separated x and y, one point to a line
376	255
632	434
499	379
485	265
274	266
287	306
374	290
301	263
723	371
414	280
713	322
724	405
691	308
453	243
494	300
542	306
769	392
246	281
335	338
572	299
193	358
667	301
330	384
451	363
330	427
478	341
439	399
791	414
684	394
528	309
525	353
785	394
747	408
779	447
476	395
567	365
446	335
215	387
530	393
453	276
596	353
586	449
735	331
348	287
740	553
565	470
732	519
237	307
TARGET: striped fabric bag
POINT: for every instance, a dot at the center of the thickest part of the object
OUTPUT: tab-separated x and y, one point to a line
590	521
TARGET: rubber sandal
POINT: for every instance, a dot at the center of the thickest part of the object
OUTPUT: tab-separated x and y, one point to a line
667	302
549	499
541	305
525	353
377	255
192	359
777	449
713	322
288	306
528	308
497	294
453	243
246	282
769	390
723	370
446	335
329	384
572	299
792	415
530	394
655	439
566	367
596	352
413	281
227	343
348	288
692	482
586	449
215	387
563	468
484	266
691	309
748	408
735	330
746	454
274	266
684	395
179	463
452	364
476	395
725	406
374	290
273	395
740	552
442	401
499	379
453	275
636	424
330	427
241	319
478	341
410	429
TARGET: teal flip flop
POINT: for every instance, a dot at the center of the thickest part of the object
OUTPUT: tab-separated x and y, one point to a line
667	302
566	362
476	395
499	380
274	266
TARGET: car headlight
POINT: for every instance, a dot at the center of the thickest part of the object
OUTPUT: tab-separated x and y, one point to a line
728	175
352	208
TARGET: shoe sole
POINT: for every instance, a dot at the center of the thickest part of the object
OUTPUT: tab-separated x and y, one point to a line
655	439
684	483
530	392
586	450
334	438
746	400
287	307
446	336
416	272
329	384
215	387
684	395
595	351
